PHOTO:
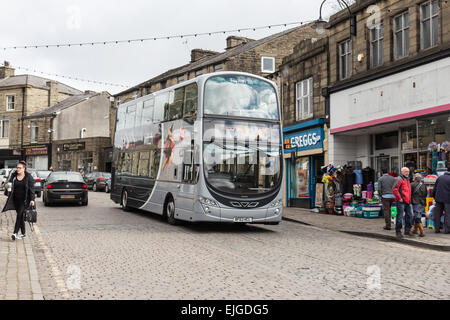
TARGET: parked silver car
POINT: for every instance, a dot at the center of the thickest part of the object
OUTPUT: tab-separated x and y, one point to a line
37	182
4	173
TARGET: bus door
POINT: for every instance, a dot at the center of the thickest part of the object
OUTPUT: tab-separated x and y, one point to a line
186	189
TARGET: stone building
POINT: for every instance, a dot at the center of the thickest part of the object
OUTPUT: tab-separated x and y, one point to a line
389	94
80	130
261	57
302	77
20	96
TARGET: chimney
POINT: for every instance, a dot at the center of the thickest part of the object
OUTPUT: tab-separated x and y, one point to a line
53	92
234	41
6	71
198	54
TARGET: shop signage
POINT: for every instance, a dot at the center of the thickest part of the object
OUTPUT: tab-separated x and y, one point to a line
74	146
304	140
36	151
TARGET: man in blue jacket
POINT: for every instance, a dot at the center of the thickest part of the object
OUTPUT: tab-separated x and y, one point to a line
441	194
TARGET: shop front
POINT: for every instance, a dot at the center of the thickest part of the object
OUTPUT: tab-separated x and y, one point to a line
87	155
400	120
37	157
9	158
304	157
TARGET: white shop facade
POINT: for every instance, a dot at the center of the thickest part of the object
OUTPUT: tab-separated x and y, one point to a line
399	119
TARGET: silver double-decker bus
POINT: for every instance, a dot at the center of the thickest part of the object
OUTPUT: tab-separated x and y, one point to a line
207	149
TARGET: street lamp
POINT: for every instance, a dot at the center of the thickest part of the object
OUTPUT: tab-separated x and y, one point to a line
320	23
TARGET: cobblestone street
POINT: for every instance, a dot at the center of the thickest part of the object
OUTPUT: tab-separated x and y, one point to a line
102	252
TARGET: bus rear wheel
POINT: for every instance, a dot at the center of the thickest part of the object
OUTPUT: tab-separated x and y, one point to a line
124	201
170	212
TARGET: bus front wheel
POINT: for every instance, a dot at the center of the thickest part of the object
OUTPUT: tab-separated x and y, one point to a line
170	212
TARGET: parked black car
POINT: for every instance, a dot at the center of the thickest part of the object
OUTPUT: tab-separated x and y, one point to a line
65	187
97	180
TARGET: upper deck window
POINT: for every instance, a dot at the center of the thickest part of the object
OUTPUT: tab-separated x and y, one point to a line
240	96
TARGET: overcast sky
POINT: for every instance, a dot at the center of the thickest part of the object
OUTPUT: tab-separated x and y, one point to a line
41	22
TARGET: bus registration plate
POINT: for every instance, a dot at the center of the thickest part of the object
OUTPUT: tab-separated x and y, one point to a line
243	219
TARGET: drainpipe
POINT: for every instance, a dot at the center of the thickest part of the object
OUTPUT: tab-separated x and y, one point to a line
50	142
22	151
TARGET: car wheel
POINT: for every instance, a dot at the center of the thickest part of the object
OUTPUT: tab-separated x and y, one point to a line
94	187
38	194
85	203
124	200
170	212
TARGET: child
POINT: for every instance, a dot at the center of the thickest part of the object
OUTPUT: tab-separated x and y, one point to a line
419	195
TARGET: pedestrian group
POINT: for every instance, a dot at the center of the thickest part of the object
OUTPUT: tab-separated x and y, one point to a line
411	202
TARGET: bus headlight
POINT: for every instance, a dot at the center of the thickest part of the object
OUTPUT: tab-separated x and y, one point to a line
208	202
276	203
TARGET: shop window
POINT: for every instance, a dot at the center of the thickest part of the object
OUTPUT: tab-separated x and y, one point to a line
429	24
387	140
376	46
432	133
85	161
409	138
299	182
401	36
304	99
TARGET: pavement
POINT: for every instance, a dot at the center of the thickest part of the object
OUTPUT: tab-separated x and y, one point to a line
370	228
18	273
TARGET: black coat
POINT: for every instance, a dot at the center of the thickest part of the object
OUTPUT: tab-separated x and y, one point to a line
29	192
441	191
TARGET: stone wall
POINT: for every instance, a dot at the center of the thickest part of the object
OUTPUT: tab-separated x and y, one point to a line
339	31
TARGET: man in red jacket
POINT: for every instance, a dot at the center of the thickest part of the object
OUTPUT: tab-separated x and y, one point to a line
402	192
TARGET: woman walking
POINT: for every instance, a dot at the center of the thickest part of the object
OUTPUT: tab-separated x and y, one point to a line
20	197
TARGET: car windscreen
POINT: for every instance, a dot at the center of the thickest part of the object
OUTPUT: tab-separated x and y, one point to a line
62	176
105	174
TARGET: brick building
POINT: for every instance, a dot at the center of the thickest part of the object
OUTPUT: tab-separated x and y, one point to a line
23	95
261	57
302	76
80	128
388	93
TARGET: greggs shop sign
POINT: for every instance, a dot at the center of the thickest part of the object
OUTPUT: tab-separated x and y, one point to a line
303	140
